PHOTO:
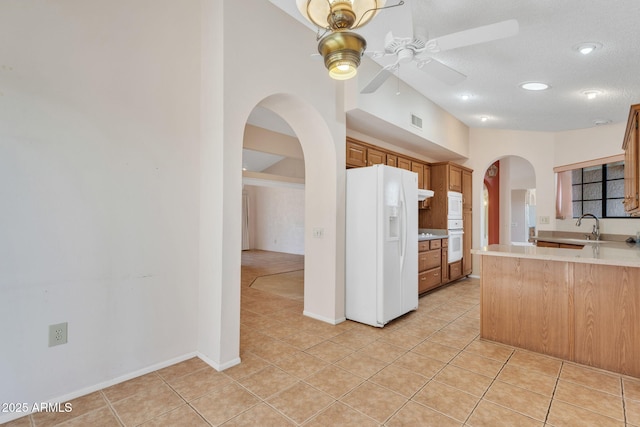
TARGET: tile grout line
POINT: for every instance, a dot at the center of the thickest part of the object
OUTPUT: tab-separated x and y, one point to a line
492	381
111	408
410	399
624	403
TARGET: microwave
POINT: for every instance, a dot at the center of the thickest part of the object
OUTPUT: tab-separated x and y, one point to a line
454	205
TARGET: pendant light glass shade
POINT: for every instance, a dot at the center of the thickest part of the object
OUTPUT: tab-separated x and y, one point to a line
339	14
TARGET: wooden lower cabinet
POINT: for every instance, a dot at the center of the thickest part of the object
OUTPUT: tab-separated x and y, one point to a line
586	313
543	244
455	270
607	314
467	259
428	280
445	260
525	303
429	265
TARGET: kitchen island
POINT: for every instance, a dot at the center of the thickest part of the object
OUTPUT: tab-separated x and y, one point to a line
581	305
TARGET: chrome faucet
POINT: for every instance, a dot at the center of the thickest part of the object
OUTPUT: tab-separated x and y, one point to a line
596	226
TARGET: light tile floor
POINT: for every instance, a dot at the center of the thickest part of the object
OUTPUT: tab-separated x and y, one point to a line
427	368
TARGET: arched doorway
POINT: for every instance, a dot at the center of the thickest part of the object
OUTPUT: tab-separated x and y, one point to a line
509	216
323	254
273	214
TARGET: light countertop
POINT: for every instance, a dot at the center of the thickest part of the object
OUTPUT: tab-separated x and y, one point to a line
432	237
431	234
603	252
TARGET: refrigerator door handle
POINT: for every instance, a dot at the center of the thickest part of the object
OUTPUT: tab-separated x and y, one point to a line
403	229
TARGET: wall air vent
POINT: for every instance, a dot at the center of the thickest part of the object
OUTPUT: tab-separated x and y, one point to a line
416	121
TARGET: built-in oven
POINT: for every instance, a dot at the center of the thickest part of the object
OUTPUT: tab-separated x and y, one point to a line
456	234
454	205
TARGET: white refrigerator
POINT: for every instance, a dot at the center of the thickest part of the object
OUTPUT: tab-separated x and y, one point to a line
381	244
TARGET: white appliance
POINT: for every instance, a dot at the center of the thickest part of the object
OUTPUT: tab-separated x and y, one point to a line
456	235
454	205
381	244
455	227
424	194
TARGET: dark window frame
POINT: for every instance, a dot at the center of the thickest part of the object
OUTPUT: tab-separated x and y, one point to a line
603	199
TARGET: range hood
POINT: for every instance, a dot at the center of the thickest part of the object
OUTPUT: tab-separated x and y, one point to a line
424	194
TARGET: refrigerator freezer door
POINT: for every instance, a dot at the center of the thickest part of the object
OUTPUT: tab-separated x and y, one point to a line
363	214
381	244
389	289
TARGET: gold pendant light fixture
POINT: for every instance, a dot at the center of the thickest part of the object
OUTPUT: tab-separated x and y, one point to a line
341	49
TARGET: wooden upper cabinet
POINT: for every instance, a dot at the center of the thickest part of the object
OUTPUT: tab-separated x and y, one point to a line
632	163
426	181
467	198
404	163
455	178
427	177
419	169
392	160
356	154
376	157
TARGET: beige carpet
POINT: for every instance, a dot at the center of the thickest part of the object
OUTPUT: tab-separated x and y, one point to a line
288	285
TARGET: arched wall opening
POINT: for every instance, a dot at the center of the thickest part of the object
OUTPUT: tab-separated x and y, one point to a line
511	200
323	285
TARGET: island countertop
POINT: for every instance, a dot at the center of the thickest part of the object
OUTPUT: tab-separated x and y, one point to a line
579	305
603	252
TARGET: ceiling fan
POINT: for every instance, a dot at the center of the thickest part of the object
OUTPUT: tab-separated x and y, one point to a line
419	48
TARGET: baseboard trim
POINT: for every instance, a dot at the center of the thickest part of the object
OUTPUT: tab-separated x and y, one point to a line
218	366
93	388
323	319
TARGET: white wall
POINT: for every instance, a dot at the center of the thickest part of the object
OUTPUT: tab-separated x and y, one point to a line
439	128
277	218
99	122
311	104
545	150
516	173
293	168
488	145
586	144
260	139
519	231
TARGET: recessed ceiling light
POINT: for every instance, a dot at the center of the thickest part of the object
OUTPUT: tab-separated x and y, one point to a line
534	86
587	47
601	122
465	97
591	94
484	118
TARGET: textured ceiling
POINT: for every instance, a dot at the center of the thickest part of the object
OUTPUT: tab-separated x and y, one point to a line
543	50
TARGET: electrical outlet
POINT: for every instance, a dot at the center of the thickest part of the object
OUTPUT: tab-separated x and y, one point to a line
57	334
318	232
544	220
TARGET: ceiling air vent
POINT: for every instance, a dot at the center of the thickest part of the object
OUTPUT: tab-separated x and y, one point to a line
416	121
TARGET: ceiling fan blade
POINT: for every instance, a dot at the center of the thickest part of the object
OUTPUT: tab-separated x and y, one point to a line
441	72
388	39
477	35
419	15
380	78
